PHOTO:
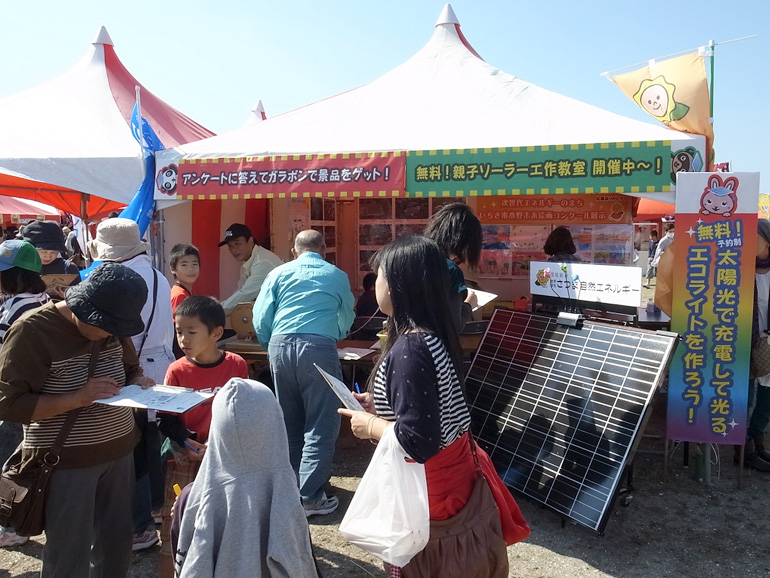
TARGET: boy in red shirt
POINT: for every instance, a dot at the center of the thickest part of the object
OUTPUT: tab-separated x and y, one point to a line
200	322
185	263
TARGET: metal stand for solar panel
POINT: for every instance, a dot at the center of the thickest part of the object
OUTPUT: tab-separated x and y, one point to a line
560	410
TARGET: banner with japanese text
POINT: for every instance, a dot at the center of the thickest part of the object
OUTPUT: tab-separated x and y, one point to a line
714	252
341	175
624	167
550	209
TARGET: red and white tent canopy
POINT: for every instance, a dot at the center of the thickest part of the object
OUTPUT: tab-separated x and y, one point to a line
444	97
72	134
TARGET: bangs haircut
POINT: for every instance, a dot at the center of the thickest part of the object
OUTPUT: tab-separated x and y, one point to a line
205	308
17	280
182	250
457	231
417	275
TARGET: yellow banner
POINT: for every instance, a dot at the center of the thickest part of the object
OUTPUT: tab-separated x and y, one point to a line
674	92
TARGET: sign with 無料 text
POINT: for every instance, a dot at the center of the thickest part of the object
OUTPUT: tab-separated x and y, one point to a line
623	167
714	251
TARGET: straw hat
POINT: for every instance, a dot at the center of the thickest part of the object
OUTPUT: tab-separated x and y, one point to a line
117	240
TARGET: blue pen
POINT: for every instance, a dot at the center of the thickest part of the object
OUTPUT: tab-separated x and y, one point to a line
358	389
193	448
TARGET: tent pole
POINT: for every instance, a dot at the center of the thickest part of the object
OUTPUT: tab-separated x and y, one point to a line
84	217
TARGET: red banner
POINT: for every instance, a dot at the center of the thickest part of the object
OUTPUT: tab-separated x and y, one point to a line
289	176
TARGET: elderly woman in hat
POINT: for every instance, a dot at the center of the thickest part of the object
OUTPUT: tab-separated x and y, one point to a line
118	240
48	239
44	375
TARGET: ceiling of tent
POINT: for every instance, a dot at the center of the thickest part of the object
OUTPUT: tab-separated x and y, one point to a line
72	135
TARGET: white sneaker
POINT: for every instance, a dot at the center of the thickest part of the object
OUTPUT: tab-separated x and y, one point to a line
325	506
9	539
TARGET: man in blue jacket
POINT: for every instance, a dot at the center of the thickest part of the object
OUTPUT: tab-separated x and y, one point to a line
306	306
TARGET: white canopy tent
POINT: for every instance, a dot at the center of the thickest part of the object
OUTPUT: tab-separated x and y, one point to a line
444	97
72	134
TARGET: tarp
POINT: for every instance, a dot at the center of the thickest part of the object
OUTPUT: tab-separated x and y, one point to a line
72	134
444	97
26	207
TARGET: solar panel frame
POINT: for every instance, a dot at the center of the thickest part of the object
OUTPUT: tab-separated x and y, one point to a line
560	409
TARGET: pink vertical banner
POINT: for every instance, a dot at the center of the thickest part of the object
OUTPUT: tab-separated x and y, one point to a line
714	253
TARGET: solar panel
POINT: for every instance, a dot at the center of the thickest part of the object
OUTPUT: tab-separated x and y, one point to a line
560	409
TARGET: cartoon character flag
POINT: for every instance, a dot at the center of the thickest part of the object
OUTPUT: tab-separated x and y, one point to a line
674	91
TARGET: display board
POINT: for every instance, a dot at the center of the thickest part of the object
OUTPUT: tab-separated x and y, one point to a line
560	409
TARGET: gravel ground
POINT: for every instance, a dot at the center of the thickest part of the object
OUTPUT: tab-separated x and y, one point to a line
675	528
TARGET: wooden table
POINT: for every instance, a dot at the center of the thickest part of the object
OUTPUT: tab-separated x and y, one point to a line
257	357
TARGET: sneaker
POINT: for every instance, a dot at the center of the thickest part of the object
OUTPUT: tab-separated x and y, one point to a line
145	539
754	462
157	516
326	506
9	539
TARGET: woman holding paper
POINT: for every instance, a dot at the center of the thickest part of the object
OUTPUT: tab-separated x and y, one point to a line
457	232
46	366
416	389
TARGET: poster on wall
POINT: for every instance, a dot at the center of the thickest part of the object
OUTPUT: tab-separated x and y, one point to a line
507	250
712	310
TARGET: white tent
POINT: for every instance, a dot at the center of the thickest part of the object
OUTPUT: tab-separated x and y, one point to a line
444	97
73	132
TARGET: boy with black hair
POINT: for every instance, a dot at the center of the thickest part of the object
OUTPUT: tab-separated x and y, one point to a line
200	322
185	264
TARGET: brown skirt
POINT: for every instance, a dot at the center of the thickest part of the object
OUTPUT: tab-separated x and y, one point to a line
467	545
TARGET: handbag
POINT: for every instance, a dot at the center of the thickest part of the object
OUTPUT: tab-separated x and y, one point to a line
24	485
388	515
470	544
760	356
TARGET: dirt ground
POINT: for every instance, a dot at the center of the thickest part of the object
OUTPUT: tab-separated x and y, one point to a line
679	527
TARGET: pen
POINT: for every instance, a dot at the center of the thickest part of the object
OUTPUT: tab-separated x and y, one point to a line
189	445
358	389
177	489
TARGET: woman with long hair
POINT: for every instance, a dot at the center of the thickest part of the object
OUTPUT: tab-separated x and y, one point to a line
457	232
416	388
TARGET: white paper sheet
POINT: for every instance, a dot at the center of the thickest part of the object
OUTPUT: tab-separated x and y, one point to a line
353	352
342	391
158	397
483	297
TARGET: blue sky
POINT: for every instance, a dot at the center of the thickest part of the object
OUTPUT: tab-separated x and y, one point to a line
214	60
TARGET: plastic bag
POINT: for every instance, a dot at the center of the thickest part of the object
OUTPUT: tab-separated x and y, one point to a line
388	516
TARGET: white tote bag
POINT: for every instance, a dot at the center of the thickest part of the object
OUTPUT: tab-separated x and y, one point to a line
388	516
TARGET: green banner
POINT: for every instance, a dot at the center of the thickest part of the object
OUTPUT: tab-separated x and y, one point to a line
624	167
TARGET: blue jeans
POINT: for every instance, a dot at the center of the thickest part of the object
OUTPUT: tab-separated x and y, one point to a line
309	406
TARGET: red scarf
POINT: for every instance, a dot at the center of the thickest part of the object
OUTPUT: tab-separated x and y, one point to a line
451	475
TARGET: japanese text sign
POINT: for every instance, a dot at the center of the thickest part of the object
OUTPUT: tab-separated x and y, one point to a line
625	167
550	209
712	310
375	174
612	284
